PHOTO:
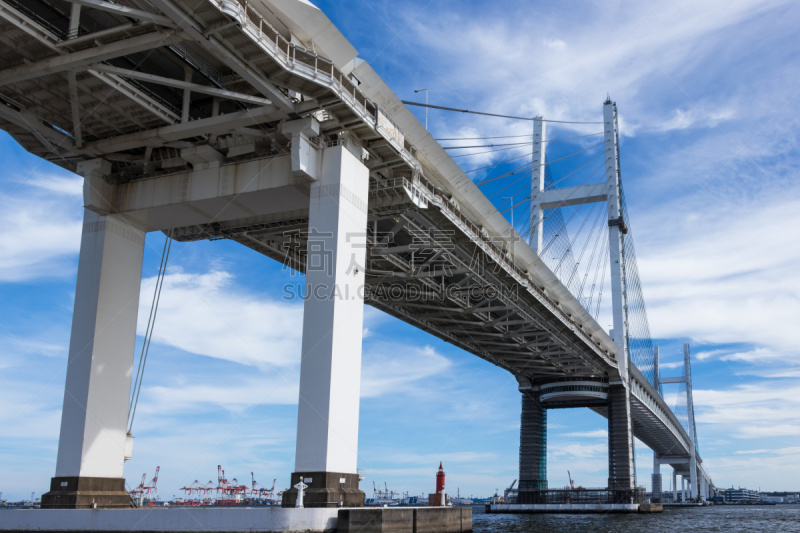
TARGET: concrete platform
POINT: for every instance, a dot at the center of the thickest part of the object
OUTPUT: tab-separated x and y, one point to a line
687	504
651	508
406	520
185	519
561	508
247	519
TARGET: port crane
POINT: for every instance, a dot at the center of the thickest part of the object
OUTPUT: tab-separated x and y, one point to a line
147	491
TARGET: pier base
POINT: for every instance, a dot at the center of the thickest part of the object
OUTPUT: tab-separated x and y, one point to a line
86	493
325	489
247	519
406	520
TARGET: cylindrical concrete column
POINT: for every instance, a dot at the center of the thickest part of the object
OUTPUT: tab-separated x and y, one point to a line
674	486
91	447
656	478
532	449
620	442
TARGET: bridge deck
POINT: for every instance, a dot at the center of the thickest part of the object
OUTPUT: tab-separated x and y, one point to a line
451	264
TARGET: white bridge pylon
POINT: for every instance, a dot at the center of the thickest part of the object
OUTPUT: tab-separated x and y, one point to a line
700	486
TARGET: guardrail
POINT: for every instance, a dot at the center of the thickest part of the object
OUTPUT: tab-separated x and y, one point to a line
580	496
294	57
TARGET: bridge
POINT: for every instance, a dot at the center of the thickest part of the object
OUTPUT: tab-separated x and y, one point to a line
255	121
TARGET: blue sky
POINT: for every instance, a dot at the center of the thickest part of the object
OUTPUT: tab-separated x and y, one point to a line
708	95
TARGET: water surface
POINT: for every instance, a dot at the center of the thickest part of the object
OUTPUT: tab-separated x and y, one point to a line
728	518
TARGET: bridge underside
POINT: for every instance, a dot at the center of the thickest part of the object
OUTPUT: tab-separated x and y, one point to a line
201	118
439	275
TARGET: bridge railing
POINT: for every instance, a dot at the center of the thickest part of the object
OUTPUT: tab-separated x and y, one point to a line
579	496
312	66
292	54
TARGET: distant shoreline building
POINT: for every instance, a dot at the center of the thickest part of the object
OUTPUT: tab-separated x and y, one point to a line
741	495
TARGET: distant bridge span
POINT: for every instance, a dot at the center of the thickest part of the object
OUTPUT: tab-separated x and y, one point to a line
255	121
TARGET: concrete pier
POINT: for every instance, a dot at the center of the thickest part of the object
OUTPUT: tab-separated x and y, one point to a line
333	318
251	519
93	443
532	448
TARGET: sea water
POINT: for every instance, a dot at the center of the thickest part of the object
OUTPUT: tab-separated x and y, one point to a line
727	518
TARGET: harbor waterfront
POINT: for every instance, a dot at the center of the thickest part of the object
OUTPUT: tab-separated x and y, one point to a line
728	518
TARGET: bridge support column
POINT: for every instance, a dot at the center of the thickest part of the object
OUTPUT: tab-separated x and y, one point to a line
693	492
683	489
620	443
330	370
674	486
92	443
656	479
532	449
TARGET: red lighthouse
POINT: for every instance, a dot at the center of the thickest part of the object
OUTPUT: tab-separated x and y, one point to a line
440	479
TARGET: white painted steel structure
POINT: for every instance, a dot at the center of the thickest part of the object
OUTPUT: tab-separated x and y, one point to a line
257	122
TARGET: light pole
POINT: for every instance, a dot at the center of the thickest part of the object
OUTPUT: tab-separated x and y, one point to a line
511	203
426	104
511	236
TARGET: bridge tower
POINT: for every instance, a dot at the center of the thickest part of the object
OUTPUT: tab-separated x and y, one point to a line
699	481
613	394
656	479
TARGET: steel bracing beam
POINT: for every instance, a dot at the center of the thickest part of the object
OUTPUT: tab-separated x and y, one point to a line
135	95
95	35
180	84
158	136
219	49
61	63
53	139
29	26
569	196
124	11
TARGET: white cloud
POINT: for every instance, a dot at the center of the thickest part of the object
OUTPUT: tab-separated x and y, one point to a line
724	275
755	356
707	354
392	368
59	185
581	450
791	450
556	44
700	116
207	314
270	389
598	433
750	411
632	50
41	220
